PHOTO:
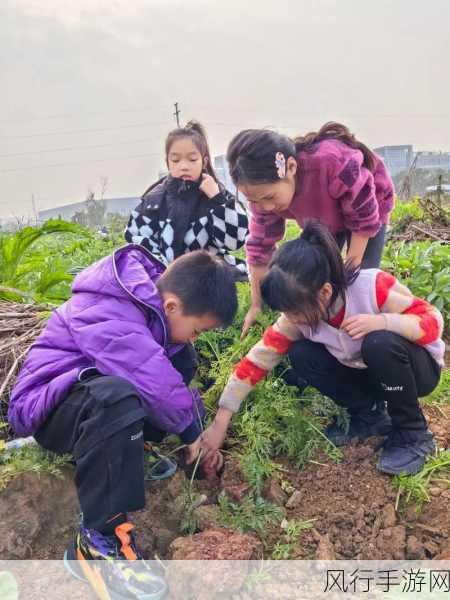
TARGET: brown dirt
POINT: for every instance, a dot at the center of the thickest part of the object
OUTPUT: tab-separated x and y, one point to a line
352	504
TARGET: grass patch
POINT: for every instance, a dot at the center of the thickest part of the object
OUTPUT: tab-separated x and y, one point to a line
415	488
252	514
292	531
441	395
28	459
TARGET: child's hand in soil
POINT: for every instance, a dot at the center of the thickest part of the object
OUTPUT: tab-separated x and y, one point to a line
212	463
359	326
213	438
192	451
209	186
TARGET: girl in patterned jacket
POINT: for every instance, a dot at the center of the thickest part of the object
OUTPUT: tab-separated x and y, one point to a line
189	209
329	176
359	336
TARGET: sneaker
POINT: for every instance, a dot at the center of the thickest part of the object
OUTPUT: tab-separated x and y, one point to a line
405	451
362	425
113	566
156	465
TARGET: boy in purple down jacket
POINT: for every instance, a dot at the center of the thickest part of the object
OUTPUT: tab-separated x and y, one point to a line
111	370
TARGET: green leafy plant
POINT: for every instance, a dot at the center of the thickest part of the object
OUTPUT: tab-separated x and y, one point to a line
292	531
414	488
425	269
30	458
253	514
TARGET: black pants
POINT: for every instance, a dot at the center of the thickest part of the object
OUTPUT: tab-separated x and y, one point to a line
398	372
103	424
374	248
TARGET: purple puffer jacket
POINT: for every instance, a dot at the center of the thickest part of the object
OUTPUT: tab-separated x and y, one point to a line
115	322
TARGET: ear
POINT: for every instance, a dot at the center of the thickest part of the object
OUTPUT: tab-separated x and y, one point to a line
205	161
291	165
171	304
326	291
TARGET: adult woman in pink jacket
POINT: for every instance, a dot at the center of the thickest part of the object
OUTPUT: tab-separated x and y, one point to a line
328	176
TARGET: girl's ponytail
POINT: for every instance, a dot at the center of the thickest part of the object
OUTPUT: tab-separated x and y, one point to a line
341	274
335	131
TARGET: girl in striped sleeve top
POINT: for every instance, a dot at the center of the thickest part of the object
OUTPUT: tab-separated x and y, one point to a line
329	176
359	336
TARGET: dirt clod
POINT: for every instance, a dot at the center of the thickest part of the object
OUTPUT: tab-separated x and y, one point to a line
216	544
388	516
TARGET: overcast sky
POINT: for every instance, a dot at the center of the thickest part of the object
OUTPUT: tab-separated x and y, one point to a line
89	85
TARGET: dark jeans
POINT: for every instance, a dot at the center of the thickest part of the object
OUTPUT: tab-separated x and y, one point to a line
398	373
103	424
374	249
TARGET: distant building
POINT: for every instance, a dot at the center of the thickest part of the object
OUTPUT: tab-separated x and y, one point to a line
396	158
433	160
400	158
119	206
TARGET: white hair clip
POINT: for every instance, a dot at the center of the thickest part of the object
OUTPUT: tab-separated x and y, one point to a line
280	163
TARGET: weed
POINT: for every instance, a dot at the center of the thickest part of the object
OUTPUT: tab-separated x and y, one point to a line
414	488
30	458
441	395
253	514
292	531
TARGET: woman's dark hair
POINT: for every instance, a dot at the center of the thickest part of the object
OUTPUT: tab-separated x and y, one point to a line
335	131
204	284
196	132
300	268
251	153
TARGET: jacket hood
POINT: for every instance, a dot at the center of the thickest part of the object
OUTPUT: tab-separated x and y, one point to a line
134	271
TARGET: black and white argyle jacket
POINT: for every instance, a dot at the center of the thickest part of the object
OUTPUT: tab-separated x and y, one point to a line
175	217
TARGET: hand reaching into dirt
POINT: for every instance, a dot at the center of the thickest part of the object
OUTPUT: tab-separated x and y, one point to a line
250	319
193	450
212	465
213	438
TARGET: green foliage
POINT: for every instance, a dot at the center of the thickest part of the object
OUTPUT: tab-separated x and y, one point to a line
292	531
253	514
190	501
404	213
425	269
273	421
441	395
25	272
37	264
30	458
414	488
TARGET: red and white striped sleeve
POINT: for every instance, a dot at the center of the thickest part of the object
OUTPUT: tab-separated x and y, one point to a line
411	317
260	360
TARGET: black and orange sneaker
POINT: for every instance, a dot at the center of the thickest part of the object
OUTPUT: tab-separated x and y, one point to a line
113	566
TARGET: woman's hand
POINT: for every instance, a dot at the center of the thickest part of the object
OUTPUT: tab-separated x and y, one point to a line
209	186
250	319
359	326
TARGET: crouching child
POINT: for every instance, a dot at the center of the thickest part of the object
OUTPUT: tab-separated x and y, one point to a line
359	337
111	371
